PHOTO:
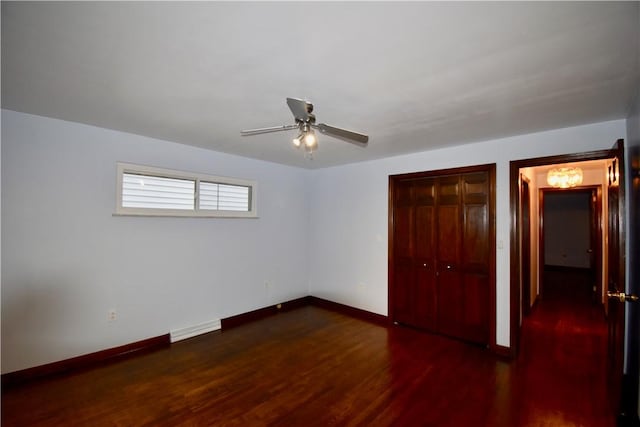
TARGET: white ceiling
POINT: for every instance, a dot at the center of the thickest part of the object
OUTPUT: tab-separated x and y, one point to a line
414	76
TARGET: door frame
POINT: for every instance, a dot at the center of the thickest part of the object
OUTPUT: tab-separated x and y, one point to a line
595	231
490	168
516	220
525	207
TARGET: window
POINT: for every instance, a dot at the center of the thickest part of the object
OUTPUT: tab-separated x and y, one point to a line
144	190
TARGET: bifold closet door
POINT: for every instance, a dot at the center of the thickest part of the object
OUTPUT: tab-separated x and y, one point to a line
450	286
463	256
403	241
441	254
425	302
476	255
414	253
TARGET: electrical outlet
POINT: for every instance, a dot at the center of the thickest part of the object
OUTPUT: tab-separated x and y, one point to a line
112	315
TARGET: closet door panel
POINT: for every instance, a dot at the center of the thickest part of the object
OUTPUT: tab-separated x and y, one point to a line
476	256
475	247
450	293
403	276
424	191
450	303
448	233
403	292
403	220
476	308
425	302
476	243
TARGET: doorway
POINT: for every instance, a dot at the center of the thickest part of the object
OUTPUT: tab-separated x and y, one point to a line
613	265
525	211
571	243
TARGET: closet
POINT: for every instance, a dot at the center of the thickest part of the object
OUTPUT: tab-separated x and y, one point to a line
441	251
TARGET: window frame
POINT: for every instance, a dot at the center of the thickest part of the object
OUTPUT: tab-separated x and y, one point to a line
130	168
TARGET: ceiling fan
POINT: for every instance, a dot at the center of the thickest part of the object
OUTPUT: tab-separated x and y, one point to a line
305	122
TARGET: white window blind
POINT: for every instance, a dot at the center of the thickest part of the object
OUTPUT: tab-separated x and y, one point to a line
144	190
154	192
224	197
208	196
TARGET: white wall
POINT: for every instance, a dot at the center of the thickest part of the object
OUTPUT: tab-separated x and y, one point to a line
349	212
67	260
567	229
0	239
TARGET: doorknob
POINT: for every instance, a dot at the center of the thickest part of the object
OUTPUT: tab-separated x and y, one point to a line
623	297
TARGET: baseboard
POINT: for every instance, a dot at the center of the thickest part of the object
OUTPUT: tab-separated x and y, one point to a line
261	313
347	310
567	269
85	361
628	416
534	305
624	420
192	331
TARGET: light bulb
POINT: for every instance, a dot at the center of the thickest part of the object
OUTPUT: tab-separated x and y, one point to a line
297	141
310	140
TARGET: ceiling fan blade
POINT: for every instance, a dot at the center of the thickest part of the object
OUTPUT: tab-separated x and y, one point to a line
250	132
346	135
301	109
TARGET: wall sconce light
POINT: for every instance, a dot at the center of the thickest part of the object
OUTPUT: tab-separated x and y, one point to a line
613	172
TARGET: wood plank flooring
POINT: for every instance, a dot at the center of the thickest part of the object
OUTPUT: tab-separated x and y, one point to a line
313	367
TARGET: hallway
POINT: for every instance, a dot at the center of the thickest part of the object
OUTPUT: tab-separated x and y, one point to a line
562	358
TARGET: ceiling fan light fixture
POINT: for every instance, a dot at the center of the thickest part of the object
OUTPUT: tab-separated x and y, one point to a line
297	141
305	122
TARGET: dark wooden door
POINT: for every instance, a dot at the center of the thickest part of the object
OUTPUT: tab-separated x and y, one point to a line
414	253
616	309
616	280
402	247
441	242
450	286
425	303
476	255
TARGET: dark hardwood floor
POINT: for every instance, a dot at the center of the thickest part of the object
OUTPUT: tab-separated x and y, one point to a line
311	367
562	365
